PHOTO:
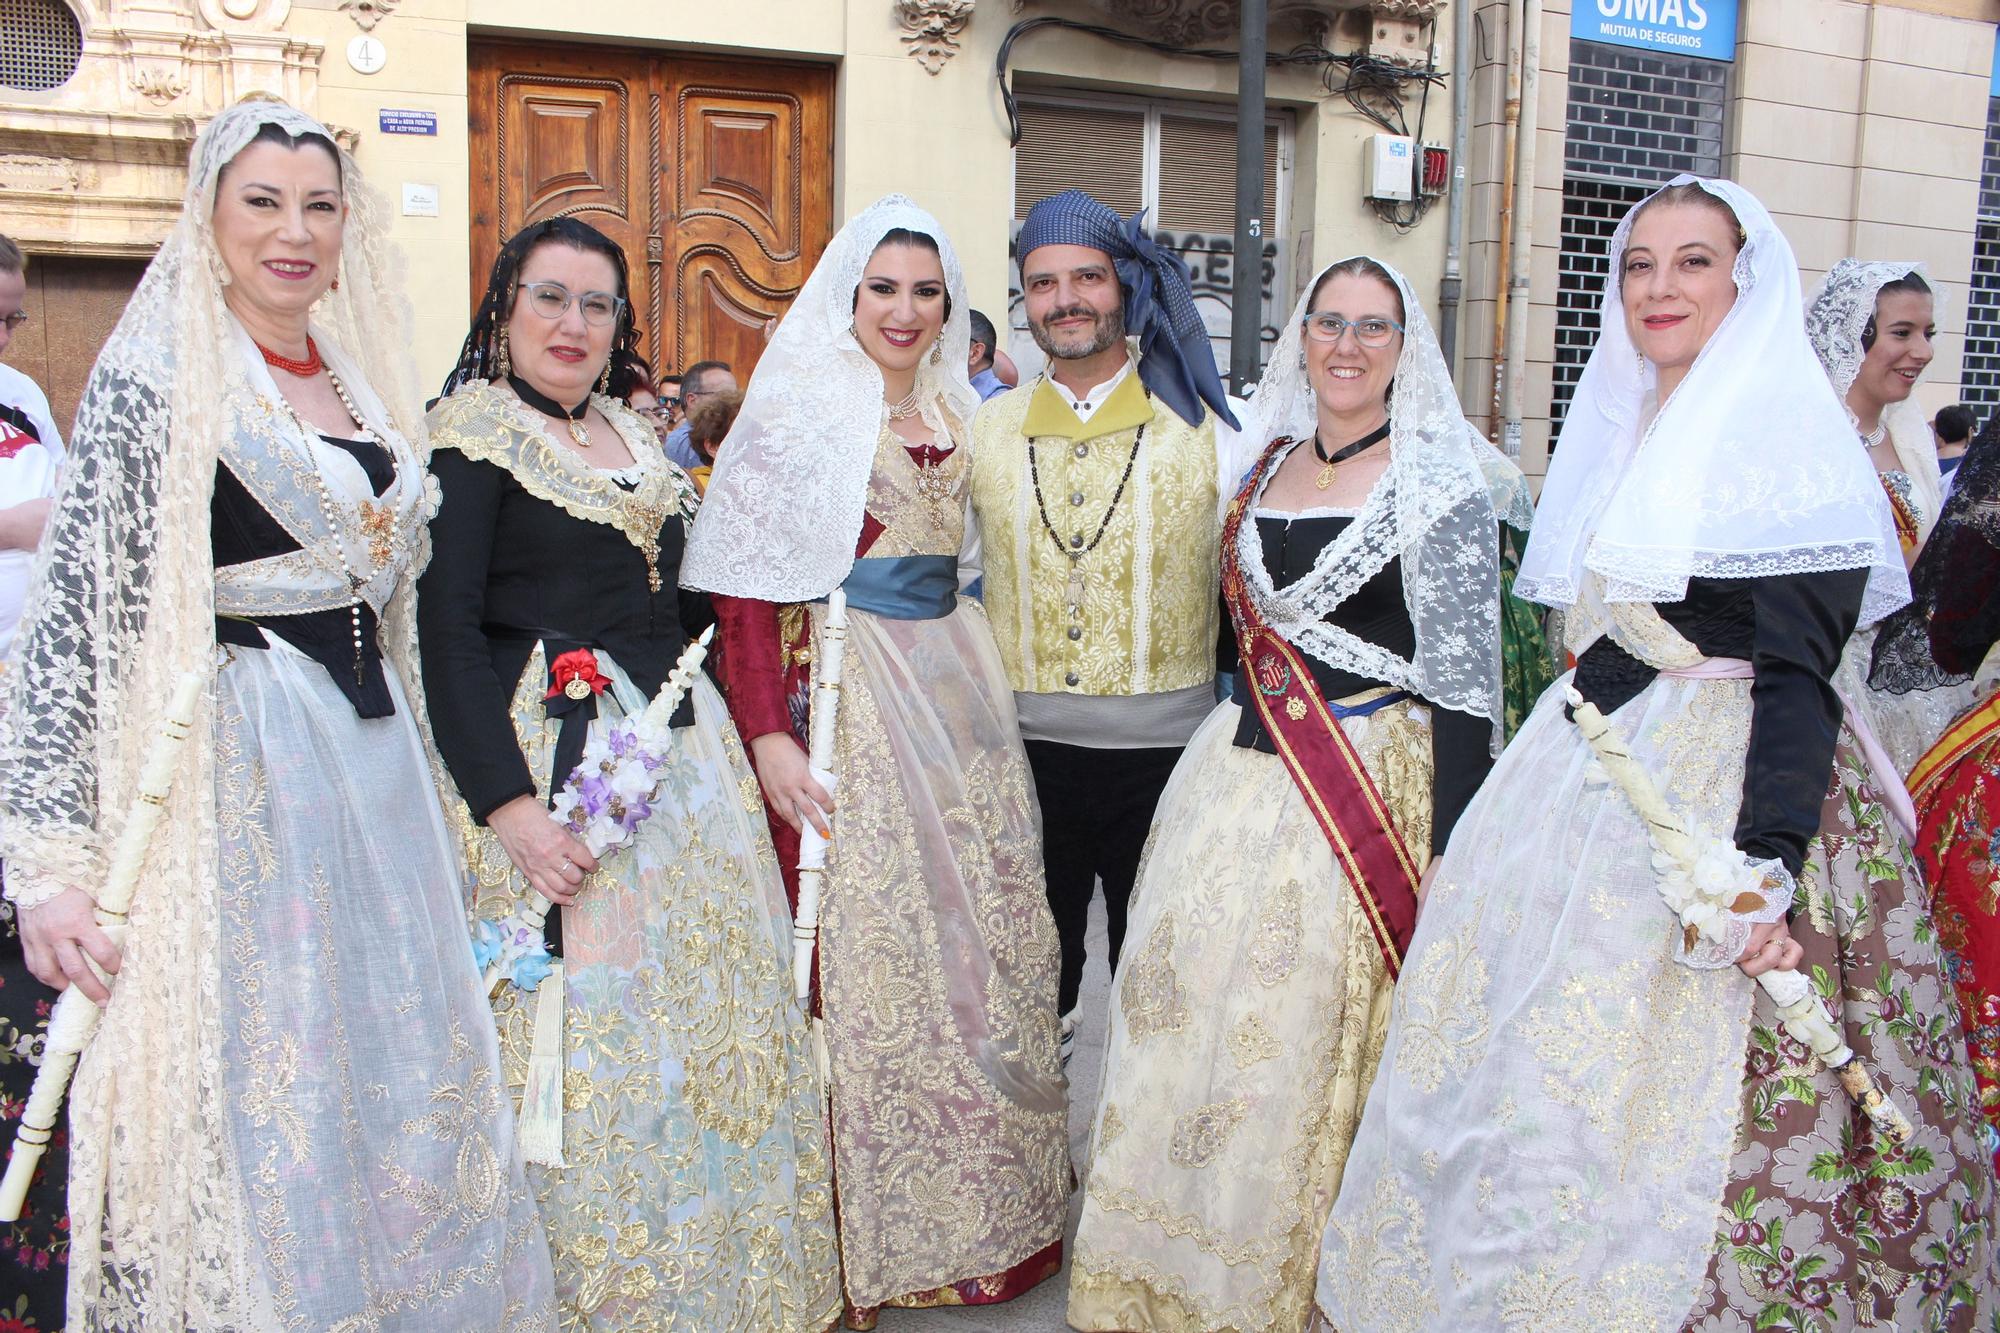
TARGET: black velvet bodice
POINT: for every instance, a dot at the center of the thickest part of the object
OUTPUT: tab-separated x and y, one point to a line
240	530
1460	742
1791	629
509	570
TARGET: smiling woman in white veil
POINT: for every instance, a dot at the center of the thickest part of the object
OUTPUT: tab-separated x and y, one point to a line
1361	569
292	1115
1582	1119
1872	323
937	954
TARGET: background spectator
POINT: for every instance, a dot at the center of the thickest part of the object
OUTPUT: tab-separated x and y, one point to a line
670	398
30	449
1953	429
985	382
697	382
707	425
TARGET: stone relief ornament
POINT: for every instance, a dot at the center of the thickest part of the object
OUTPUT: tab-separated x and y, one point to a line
367	13
931	28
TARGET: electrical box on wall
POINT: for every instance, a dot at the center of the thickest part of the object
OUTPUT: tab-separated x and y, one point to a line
1436	170
1390	167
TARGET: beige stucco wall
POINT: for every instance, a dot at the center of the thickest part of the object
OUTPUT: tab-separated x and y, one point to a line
1860	125
941	138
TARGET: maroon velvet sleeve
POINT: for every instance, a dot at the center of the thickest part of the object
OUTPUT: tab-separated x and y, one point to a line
752	675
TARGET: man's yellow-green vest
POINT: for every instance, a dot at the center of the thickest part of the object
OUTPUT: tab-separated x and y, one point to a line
1096	517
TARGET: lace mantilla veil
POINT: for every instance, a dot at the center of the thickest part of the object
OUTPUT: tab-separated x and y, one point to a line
1437	508
784	507
1746	471
1836	315
120	605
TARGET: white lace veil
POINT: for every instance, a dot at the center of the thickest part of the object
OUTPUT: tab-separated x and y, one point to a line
784	507
120	604
1746	471
1836	315
1437	508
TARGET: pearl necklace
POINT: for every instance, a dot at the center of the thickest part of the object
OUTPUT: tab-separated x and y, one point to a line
329	510
1871	438
902	409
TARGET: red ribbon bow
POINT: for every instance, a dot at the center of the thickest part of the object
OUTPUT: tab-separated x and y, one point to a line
575	675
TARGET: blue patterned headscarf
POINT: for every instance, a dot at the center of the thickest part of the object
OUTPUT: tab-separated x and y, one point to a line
1176	360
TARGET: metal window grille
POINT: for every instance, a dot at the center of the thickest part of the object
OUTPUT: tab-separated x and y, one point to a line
40	44
1979	382
1636	119
1591	212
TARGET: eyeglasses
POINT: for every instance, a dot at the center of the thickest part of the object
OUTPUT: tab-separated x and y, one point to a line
670	403
15	320
663	411
1371	332
551	299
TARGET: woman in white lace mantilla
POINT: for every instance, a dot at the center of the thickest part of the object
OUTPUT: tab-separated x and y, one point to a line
292	1116
937	956
1872	324
1583	1120
1362	575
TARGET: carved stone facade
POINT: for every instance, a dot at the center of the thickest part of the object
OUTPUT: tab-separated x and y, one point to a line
98	165
931	28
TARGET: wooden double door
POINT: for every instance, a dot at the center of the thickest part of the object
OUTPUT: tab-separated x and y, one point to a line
716	177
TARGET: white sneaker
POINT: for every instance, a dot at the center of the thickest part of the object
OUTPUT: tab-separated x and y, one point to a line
1066	1042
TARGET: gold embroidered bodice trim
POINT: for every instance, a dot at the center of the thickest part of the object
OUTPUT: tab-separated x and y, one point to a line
487	423
921	508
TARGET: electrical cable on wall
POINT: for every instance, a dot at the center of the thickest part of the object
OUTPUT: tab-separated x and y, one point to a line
1374	87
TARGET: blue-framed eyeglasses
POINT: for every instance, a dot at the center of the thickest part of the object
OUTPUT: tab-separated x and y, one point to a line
1373	331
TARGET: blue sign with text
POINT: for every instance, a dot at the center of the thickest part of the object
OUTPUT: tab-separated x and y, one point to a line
1704	28
409	122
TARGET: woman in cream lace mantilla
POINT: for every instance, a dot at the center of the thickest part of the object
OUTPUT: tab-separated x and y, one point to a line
292	1116
670	1115
937	954
1584	1120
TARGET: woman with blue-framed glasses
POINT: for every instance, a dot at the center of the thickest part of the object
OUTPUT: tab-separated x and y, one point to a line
679	1096
1361	569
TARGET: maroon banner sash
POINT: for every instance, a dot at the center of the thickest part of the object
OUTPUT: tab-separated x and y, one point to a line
1322	762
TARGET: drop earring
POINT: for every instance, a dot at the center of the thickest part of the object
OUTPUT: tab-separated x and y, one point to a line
336	284
503	366
604	380
937	352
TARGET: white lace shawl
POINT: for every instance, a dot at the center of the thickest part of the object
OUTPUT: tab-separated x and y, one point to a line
120	605
1836	314
785	503
1437	508
1746	471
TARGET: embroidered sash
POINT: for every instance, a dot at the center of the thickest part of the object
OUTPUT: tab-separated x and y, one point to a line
1973	728
1321	760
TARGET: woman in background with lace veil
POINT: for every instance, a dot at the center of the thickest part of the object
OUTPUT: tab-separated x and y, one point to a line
670	1114
1572	1087
292	1115
1872	323
1361	567
937	954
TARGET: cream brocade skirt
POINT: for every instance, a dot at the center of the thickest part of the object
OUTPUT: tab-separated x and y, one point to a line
369	1130
1247	1021
938	961
695	1193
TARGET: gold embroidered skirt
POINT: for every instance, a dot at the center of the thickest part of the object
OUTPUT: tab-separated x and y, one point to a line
369	1131
694	1192
938	962
1247	1020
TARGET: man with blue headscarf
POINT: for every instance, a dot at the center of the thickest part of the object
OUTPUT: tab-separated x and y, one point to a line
1096	487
